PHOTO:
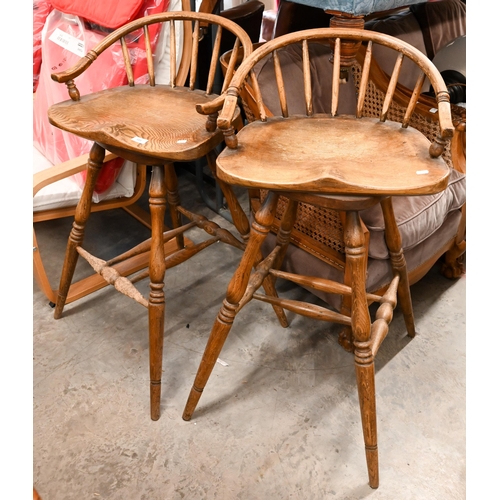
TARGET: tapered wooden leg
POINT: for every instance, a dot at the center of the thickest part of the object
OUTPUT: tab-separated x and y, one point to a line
174	200
156	305
283	240
345	334
96	157
393	240
361	329
240	219
236	289
365	376
218	335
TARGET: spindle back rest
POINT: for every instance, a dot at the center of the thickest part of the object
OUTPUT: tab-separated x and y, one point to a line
244	78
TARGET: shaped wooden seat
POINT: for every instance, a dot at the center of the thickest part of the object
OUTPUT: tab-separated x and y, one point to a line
346	163
153	125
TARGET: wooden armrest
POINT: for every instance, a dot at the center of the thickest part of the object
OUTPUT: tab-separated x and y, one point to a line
212	106
76	70
225	120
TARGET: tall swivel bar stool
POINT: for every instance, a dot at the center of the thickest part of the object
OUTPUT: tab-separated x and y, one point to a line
157	125
346	163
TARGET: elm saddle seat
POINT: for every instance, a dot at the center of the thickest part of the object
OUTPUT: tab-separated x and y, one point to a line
347	163
154	125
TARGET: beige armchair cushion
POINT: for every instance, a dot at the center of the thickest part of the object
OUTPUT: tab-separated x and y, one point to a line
418	217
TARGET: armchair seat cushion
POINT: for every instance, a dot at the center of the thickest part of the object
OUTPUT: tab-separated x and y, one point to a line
66	192
418	217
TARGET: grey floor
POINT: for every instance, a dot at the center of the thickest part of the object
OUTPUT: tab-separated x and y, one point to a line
279	418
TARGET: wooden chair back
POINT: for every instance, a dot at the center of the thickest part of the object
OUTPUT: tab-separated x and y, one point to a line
245	77
319	231
181	75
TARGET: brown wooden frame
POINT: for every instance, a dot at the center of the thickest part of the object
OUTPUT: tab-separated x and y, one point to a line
341	162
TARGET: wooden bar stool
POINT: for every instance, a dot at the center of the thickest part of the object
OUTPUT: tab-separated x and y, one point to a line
347	163
156	125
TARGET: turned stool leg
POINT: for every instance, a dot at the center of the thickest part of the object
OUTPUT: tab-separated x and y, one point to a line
282	240
240	219
345	335
241	223
361	330
96	157
398	261
236	289
156	306
345	338
174	200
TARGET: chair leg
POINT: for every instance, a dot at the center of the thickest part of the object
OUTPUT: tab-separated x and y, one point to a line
156	306
345	338
365	376
241	223
283	240
239	217
236	289
361	329
96	157
393	240
174	201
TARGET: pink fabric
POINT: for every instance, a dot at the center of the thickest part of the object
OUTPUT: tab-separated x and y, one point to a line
107	13
41	9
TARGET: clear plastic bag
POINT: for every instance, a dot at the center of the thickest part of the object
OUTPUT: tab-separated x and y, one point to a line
41	9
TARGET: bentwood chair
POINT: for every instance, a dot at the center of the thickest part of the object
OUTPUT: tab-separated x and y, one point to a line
343	162
54	191
155	125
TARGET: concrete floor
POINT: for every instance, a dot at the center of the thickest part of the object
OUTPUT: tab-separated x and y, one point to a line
280	421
